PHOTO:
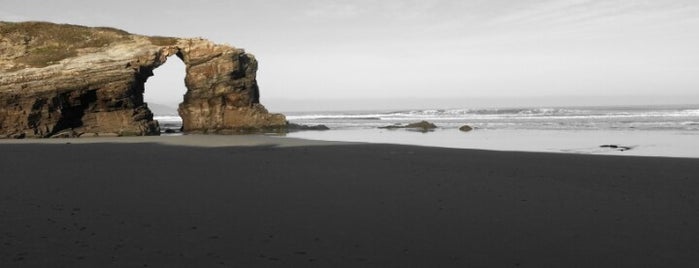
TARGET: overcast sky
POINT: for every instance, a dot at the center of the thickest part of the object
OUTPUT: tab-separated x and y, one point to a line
363	52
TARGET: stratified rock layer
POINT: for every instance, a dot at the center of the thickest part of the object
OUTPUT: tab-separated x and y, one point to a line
67	80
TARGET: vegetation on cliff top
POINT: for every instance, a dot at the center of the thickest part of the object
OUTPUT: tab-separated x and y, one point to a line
162	40
43	44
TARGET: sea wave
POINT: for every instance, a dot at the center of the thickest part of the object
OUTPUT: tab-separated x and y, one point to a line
530	113
333	117
650	118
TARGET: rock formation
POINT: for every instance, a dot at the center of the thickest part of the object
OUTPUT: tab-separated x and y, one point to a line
291	127
68	80
466	128
422	126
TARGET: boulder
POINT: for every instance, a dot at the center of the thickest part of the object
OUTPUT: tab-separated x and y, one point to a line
616	147
466	128
298	127
423	126
393	126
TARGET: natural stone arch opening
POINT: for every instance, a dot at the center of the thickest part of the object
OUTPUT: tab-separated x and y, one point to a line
164	92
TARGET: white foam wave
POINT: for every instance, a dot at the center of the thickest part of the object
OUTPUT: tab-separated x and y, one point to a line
531	118
453	114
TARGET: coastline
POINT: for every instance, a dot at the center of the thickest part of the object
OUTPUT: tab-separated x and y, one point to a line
670	144
642	130
193	140
271	201
683	144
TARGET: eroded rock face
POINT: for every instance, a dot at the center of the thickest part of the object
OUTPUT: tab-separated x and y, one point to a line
66	80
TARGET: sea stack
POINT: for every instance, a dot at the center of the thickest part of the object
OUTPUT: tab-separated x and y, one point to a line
69	80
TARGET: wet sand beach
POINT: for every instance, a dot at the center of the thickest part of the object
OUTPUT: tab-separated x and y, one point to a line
258	201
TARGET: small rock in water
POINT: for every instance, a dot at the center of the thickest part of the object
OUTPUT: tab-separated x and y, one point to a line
466	128
616	147
423	126
393	126
297	127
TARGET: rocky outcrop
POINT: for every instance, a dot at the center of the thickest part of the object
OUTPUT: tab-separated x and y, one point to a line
422	126
290	127
617	147
466	128
67	80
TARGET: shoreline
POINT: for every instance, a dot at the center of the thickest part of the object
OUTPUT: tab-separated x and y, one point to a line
677	144
370	137
190	140
673	144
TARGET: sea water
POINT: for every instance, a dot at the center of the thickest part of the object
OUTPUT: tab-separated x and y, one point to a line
634	130
540	118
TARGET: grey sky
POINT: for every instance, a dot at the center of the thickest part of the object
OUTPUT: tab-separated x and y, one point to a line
510	49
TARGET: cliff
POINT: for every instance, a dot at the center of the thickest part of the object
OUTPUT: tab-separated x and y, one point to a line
68	80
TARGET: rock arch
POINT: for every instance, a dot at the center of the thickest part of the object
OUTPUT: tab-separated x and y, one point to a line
164	91
97	90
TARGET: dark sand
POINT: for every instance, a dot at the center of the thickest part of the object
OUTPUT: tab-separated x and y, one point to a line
353	205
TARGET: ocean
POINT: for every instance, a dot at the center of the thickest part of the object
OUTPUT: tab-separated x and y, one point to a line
671	130
539	118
